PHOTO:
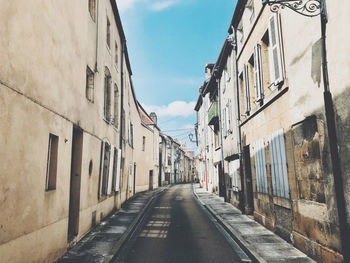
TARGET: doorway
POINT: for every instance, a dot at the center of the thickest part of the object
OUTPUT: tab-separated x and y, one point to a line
75	180
249	206
151	180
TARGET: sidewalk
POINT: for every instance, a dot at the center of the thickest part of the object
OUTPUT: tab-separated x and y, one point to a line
260	243
105	240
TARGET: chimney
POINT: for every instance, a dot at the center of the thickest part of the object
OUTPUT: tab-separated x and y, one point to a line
153	116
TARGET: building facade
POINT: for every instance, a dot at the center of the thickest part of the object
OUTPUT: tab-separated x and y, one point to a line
277	157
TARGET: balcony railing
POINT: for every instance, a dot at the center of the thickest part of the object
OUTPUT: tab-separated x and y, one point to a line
213	113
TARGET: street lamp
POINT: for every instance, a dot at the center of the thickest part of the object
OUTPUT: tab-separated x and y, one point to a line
312	8
190	136
308	8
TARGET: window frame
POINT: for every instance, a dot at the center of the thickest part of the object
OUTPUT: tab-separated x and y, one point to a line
51	164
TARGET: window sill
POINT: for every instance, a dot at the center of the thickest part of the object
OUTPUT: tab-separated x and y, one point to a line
284	202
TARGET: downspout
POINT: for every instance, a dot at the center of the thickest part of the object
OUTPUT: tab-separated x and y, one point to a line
122	105
333	144
238	116
96	51
221	139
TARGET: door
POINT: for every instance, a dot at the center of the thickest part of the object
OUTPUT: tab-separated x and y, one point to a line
151	180
75	180
249	206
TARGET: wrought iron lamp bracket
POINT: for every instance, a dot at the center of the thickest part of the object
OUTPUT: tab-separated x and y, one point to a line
309	8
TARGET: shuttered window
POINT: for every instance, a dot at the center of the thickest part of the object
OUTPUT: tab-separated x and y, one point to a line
116	170
246	88
104	169
275	50
279	174
260	166
258	76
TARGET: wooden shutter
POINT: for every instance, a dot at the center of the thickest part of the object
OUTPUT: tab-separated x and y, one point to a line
246	88
275	50
101	169
260	166
258	83
227	120
110	172
117	171
224	127
279	173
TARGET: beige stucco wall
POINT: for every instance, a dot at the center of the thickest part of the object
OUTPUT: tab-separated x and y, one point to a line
300	96
42	91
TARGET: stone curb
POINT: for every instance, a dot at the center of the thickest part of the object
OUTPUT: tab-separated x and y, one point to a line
234	234
131	228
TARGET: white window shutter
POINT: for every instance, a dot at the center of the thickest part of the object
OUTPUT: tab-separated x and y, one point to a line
110	173
101	168
258	73
117	177
224	122
246	88
227	120
130	175
275	50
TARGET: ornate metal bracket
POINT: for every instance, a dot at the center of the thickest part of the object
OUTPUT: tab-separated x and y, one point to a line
308	8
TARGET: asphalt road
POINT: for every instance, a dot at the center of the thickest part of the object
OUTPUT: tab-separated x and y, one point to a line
177	229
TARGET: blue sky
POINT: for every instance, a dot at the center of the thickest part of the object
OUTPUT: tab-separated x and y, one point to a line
169	43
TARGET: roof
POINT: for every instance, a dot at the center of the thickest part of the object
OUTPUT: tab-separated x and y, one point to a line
237	15
199	103
121	32
218	67
145	118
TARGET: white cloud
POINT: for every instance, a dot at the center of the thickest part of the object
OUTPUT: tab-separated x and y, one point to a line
174	109
124	5
159	6
188	126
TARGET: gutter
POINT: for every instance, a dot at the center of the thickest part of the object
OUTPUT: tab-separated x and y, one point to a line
238	114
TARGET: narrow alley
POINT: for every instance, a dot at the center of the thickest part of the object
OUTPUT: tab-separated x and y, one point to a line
151	131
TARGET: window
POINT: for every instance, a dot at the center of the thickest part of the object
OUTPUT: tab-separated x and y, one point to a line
246	89
131	135
104	168
92	9
51	167
116	54
258	82
251	11
108	33
240	33
260	166
107	96
89	85
116	106
143	143
265	60
279	174
275	50
130	176
116	170
236	180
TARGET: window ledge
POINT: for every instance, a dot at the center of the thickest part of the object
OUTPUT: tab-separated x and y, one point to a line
280	201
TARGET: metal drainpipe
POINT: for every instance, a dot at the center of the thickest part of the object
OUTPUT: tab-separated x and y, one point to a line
333	143
96	53
238	116
122	105
222	145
